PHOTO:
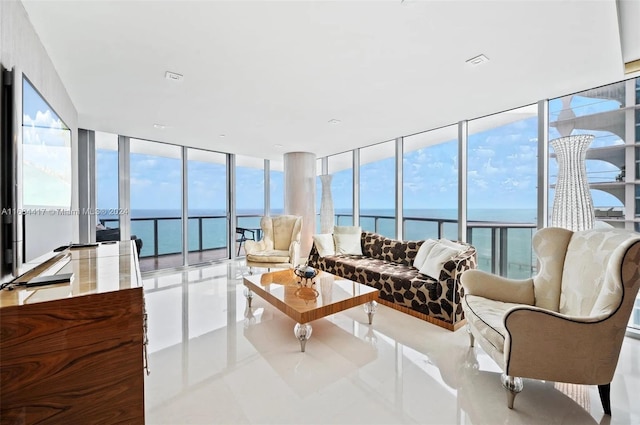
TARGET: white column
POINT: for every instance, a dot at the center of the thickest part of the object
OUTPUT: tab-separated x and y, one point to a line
300	193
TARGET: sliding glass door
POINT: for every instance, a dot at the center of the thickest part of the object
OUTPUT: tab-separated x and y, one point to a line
156	202
207	206
430	186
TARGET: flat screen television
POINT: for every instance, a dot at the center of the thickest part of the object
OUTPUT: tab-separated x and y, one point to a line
46	176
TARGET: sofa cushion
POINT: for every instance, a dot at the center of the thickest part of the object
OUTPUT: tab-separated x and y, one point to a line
284	230
347	243
423	253
325	244
269	256
347	230
387	249
487	316
436	258
455	245
584	272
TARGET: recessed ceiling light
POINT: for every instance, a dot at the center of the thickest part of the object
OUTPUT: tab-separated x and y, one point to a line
334	121
477	60
277	145
173	76
222	135
159	126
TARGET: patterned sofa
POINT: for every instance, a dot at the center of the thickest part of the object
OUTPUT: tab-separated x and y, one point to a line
387	265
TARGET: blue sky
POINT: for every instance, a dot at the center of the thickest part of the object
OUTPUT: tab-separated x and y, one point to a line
502	174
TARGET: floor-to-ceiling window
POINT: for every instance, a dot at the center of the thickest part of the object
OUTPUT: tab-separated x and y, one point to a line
502	190
378	188
156	202
276	187
611	114
341	168
249	193
430	184
598	112
107	179
207	205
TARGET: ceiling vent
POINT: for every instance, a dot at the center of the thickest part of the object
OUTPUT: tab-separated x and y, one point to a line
477	60
173	76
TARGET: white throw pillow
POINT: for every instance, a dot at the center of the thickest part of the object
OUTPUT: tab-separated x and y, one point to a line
455	245
324	244
423	253
439	255
347	230
347	243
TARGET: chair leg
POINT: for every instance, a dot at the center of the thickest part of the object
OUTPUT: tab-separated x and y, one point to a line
605	397
513	385
472	339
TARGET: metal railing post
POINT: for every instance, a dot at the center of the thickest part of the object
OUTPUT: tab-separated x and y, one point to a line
504	250
495	250
155	236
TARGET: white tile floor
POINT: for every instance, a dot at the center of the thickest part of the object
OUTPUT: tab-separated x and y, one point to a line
212	365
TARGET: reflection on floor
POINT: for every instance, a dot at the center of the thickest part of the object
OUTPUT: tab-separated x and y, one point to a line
175	260
214	363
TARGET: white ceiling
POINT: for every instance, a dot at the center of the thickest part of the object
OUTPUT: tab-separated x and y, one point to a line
270	75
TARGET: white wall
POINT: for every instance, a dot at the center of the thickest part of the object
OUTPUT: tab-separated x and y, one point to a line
22	50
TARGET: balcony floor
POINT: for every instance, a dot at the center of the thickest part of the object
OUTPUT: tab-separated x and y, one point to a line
168	261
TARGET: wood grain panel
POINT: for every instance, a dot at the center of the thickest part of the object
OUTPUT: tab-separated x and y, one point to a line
75	360
305	310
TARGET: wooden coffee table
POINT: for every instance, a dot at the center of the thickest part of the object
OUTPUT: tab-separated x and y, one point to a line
308	300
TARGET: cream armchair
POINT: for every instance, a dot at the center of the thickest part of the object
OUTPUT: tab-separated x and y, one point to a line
568	322
280	243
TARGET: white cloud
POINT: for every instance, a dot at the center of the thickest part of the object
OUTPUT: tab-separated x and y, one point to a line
140	182
484	152
481	183
144	163
489	169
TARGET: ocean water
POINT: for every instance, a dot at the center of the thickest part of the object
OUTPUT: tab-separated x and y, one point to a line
214	230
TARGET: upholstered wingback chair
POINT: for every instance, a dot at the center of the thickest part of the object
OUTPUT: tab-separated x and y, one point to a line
280	243
567	323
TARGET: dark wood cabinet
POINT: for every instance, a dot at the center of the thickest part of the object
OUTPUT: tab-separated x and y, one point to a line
73	353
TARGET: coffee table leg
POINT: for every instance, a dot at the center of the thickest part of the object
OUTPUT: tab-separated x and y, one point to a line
303	333
370	308
248	295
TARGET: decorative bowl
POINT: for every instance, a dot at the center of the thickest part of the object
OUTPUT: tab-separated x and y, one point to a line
305	272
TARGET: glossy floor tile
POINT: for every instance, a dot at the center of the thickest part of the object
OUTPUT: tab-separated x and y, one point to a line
214	362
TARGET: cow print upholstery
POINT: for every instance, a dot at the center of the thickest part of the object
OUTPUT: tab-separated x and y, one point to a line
387	265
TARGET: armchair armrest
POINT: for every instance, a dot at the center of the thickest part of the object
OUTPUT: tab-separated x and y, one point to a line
294	253
544	344
486	285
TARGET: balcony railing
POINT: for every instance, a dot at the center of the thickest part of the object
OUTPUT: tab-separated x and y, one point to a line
163	235
503	248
